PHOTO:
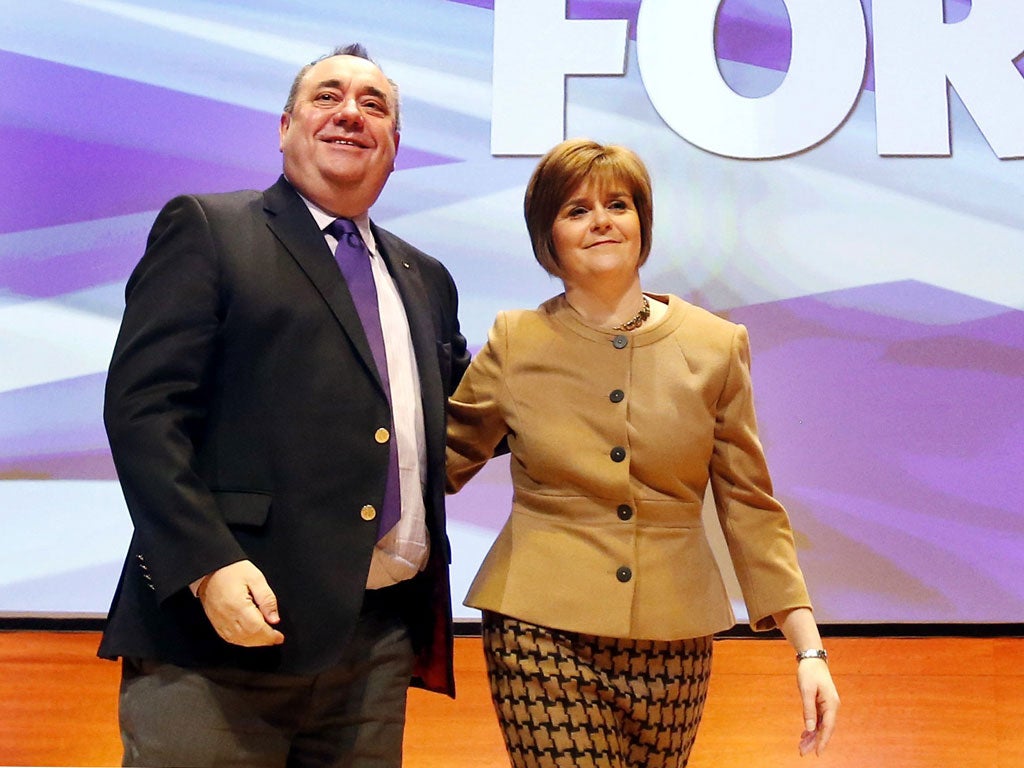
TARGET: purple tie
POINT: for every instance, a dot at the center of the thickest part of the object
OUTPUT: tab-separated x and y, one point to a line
354	259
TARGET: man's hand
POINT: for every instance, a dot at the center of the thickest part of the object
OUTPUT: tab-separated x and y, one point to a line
240	605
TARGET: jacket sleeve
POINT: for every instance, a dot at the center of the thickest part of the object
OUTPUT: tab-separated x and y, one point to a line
457	342
476	417
157	395
755	524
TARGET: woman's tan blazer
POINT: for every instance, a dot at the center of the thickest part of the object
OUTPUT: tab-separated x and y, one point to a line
614	439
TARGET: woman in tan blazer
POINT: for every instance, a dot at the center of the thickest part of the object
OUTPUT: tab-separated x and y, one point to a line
600	595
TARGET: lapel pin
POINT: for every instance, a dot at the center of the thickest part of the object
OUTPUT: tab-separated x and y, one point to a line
406	265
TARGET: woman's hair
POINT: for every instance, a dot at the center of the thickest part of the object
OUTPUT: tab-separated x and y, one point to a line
561	171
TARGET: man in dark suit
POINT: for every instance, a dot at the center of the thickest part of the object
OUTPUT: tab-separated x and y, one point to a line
268	613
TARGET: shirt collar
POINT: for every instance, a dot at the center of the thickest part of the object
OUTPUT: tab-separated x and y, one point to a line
323	220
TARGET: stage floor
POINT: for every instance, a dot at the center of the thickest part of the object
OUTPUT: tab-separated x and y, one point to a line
907	703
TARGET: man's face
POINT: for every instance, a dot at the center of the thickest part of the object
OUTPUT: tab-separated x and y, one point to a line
340	136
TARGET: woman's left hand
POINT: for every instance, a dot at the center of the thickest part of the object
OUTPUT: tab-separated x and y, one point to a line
820	702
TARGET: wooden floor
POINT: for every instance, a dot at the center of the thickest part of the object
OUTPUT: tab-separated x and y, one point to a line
907	703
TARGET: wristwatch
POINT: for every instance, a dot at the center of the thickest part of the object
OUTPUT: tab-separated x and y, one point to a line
812	653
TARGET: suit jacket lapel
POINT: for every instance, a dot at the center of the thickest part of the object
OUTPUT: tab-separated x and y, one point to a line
293	225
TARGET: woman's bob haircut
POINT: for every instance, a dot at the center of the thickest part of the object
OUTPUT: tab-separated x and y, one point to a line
563	170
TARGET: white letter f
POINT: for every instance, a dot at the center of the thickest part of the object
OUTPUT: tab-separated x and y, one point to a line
535	47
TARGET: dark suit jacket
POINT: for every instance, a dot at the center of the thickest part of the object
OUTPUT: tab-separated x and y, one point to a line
241	405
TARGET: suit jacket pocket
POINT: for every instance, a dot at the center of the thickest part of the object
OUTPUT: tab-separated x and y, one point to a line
249	508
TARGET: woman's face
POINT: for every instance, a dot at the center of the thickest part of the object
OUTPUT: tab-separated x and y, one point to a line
596	234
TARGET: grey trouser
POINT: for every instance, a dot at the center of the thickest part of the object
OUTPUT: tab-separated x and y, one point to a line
352	714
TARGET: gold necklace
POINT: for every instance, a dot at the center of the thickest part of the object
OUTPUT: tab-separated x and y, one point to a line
636	320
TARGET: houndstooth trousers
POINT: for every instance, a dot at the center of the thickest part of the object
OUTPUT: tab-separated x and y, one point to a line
571	700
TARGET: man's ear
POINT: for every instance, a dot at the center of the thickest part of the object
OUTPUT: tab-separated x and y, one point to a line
286	121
